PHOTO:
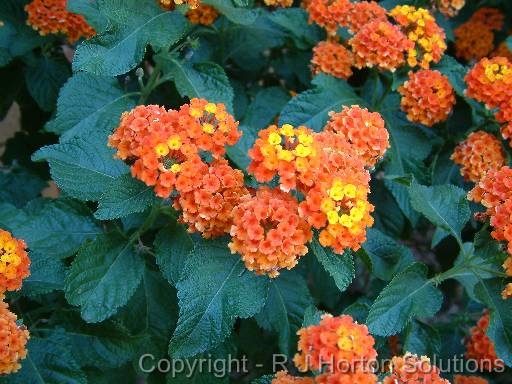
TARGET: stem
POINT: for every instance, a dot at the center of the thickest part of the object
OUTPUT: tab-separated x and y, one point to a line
150	85
150	219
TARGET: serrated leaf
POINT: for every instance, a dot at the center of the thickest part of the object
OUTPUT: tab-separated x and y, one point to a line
202	80
237	15
311	108
340	267
89	104
46	275
133	24
358	310
422	339
446	206
215	289
103	277
173	246
49	361
387	256
409	295
312	316
124	196
57	229
287	300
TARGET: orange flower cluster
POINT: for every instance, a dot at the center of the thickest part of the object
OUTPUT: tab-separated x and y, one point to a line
51	16
14	262
202	14
332	58
171	4
288	152
507	292
283	377
268	232
478	154
411	369
279	3
13	340
491	17
421	29
427	97
382	44
449	8
363	130
207	208
361	13
481	348
459	379
493	189
163	146
358	377
327	13
473	40
335	343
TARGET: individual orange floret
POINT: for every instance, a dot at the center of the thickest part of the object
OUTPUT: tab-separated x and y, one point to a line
14	262
473	40
481	348
361	13
328	13
459	379
503	51
493	189
412	369
208	125
422	30
348	377
427	97
336	344
167	4
365	131
286	151
382	44
268	232
203	14
507	292
490	81
449	8
207	208
283	377
51	16
333	59
491	17
13	340
478	154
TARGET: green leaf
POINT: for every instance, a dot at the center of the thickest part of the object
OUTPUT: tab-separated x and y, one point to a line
49	361
46	275
82	167
500	324
44	77
446	206
509	43
57	229
340	267
359	309
312	316
20	186
103	277
287	300
89	104
422	339
202	80
173	246
124	196
387	256
311	108
215	289
237	15
409	295
91	11
295	22
133	24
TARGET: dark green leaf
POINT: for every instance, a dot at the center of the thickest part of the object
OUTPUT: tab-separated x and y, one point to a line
46	275
422	339
340	267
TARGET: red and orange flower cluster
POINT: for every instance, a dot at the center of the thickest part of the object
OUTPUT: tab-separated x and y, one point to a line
427	97
481	348
376	41
332	58
459	379
202	14
51	16
14	267
449	8
412	369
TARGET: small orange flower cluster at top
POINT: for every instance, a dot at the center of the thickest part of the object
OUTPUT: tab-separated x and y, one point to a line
13	340
427	97
283	377
279	3
51	16
421	28
480	348
449	8
412	369
459	379
171	4
474	39
478	154
332	58
490	82
14	262
203	14
268	232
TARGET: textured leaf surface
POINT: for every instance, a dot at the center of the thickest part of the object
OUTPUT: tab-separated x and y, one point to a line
340	267
46	275
215	289
237	15
103	277
409	295
422	339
